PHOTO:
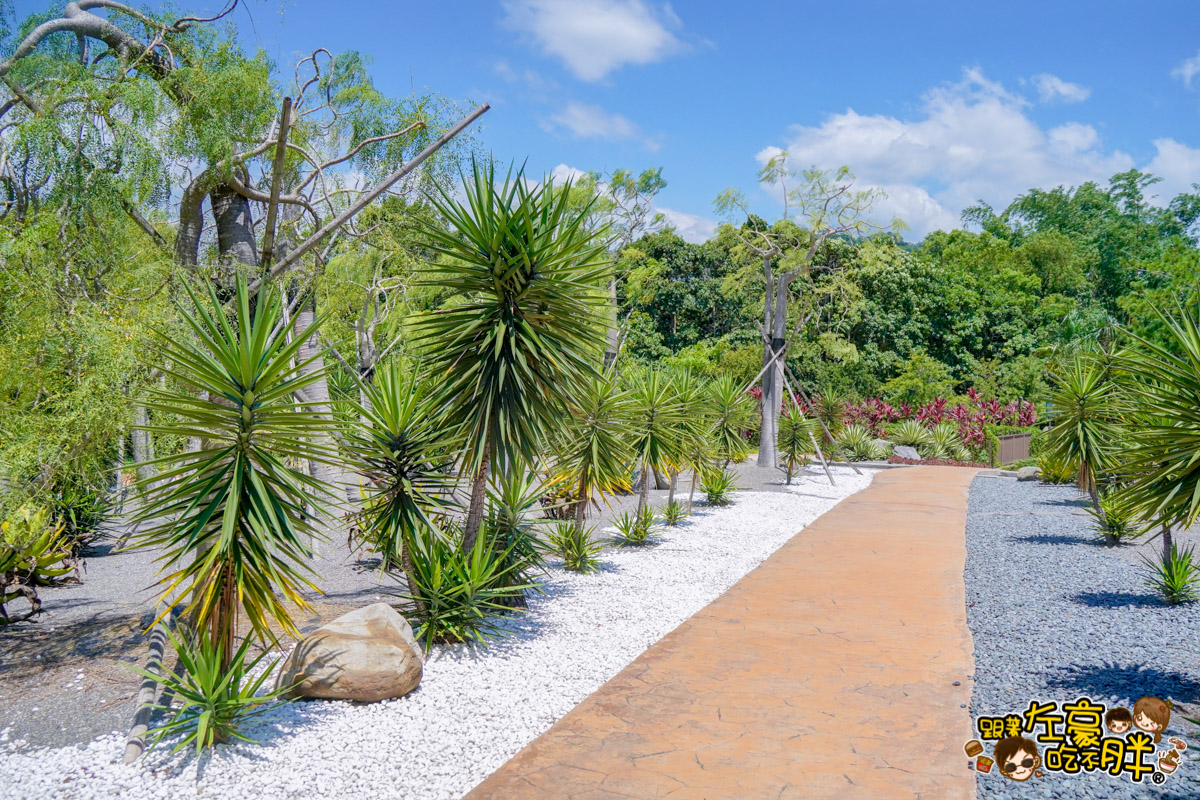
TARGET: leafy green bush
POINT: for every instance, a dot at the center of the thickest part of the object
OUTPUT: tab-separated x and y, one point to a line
1056	469
674	512
1116	519
1175	577
795	443
82	510
636	528
214	703
717	486
944	442
910	433
859	444
32	554
456	594
576	546
512	499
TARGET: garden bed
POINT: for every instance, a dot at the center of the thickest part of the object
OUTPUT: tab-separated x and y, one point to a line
475	707
1056	615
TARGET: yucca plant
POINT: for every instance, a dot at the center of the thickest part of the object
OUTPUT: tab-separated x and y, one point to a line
399	445
577	547
1116	519
512	524
230	520
859	444
33	553
1057	470
458	595
944	442
718	485
674	512
523	321
911	433
830	409
592	453
1174	576
1085	419
695	446
215	695
637	528
657	432
732	415
796	436
1159	461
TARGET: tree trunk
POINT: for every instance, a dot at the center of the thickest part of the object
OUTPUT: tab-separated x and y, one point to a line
643	497
660	482
692	491
316	396
1087	483
614	330
775	321
478	500
235	227
1168	543
581	506
671	493
143	443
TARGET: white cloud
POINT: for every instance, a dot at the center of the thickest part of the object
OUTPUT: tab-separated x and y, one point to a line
1177	164
595	37
586	121
691	227
1187	70
1052	88
565	172
972	140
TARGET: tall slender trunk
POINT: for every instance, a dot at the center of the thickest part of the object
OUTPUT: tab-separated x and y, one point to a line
477	501
222	622
581	505
644	495
671	493
143	443
614	331
317	397
692	491
1168	543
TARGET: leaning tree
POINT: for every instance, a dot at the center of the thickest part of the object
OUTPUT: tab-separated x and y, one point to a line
822	206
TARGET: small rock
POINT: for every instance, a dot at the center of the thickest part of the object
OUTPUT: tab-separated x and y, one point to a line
366	655
1029	473
883	443
906	451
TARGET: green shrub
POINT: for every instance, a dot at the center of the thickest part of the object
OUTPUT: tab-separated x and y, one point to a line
859	444
82	510
910	433
213	703
637	528
1116	520
674	512
717	486
944	442
1175	577
576	546
457	594
1057	470
33	553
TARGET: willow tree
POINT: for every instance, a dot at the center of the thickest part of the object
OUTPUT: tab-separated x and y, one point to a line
823	204
164	123
522	320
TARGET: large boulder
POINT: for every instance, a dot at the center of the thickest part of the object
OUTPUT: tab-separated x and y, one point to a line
906	451
366	655
1029	473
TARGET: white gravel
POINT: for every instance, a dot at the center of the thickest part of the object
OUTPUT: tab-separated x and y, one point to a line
475	707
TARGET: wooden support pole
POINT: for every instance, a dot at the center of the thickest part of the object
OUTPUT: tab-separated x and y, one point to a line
285	122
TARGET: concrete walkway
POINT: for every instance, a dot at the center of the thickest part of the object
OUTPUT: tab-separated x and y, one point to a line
828	671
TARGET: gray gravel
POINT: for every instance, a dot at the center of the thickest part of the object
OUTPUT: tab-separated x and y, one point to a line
1056	615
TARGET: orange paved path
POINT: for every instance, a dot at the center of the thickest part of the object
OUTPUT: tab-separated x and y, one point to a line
828	671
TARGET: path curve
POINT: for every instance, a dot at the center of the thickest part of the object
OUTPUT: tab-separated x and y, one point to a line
828	671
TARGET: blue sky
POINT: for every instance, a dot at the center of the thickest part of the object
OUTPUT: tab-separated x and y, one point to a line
939	103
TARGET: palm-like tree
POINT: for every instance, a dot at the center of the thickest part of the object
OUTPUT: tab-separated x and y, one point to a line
593	451
796	435
230	518
400	446
1159	464
524	320
695	426
657	431
1085	419
733	414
